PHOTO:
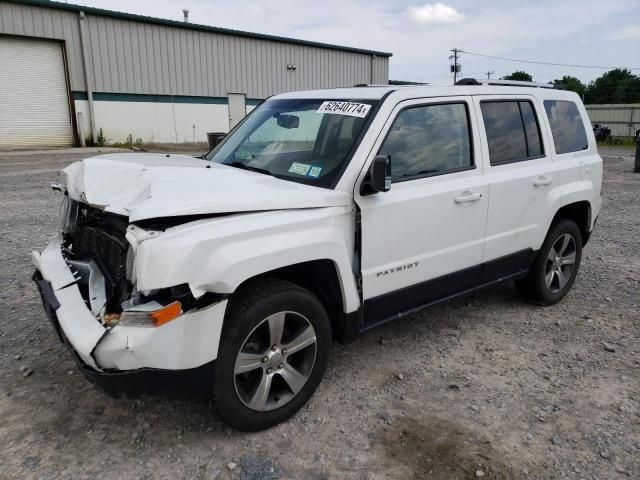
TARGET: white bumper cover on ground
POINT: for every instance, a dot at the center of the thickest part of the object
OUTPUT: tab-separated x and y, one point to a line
187	342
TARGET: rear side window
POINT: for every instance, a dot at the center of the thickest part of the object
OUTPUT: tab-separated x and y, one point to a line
429	140
566	126
513	132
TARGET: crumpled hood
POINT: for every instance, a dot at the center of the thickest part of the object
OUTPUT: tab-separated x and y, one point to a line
147	185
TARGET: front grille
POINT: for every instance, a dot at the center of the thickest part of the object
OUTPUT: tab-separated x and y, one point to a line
107	250
100	237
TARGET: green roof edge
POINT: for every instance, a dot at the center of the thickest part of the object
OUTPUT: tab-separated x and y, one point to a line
193	26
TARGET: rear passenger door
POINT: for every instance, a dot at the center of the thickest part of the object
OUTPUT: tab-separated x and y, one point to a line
521	182
422	240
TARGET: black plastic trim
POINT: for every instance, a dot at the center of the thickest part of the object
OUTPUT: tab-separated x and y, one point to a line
517	160
468	81
49	301
46	290
496	270
406	300
145	381
350	327
399	303
433	174
587	235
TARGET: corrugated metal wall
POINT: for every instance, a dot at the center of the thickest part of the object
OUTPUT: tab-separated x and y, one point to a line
622	119
135	57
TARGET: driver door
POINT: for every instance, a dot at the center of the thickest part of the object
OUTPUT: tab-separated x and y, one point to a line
423	239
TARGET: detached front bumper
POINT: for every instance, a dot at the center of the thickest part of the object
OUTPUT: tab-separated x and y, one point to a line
188	342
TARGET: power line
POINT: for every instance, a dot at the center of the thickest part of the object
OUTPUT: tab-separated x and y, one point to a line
544	63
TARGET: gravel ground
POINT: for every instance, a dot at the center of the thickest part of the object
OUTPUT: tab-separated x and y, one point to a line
488	386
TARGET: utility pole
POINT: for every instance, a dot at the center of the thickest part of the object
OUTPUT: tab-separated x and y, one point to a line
455	68
489	75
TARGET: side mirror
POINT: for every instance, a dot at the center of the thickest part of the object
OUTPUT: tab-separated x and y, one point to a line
378	178
214	139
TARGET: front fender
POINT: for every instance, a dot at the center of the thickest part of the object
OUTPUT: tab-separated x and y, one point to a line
217	255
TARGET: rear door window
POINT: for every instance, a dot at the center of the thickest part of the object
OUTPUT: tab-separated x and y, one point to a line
567	128
513	132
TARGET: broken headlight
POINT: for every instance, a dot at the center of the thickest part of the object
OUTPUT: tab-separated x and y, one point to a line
149	314
68	214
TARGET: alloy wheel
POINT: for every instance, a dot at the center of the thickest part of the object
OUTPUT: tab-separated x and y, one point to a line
275	361
560	263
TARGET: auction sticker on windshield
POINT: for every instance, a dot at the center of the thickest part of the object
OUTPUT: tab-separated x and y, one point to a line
345	108
299	168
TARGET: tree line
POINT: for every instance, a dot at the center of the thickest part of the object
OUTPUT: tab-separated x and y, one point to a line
615	86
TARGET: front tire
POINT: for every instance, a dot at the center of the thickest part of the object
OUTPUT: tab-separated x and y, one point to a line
272	356
554	269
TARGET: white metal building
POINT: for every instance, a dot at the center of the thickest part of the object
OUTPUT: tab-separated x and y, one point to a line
622	119
153	79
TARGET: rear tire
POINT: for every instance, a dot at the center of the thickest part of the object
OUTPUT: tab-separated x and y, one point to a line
554	269
273	354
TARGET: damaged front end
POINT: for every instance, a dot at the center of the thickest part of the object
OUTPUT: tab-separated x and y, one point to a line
100	249
87	279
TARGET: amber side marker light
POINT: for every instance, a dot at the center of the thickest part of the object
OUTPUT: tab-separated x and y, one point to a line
166	314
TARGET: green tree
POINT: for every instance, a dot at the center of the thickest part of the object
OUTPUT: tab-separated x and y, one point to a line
519	75
572	84
615	86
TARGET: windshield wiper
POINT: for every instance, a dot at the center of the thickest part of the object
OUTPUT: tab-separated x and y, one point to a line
242	166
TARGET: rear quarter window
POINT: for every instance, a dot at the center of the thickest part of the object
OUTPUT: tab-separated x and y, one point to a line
566	124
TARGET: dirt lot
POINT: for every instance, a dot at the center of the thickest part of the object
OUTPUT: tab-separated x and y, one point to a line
485	384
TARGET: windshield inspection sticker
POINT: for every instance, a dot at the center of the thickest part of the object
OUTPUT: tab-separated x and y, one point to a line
299	168
345	108
315	172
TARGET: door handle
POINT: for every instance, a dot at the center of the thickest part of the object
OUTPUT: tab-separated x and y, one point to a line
468	196
542	181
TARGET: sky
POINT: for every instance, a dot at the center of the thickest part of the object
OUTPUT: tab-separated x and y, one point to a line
421	34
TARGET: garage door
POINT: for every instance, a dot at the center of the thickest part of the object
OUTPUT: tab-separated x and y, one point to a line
34	107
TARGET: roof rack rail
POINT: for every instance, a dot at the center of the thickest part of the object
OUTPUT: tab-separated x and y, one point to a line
406	82
392	83
506	83
359	85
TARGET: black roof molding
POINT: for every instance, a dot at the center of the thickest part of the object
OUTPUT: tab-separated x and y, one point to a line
194	26
468	81
406	82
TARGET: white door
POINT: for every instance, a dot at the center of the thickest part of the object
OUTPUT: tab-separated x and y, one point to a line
34	104
422	240
522	183
237	108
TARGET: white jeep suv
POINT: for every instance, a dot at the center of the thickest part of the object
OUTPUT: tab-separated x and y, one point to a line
323	214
